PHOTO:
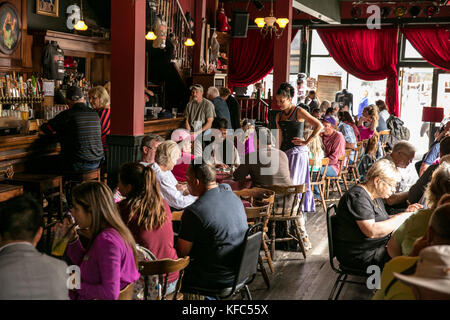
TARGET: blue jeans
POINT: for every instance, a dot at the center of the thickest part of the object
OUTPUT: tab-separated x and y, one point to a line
85	166
330	173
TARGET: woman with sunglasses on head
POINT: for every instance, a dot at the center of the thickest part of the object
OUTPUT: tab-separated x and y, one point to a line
108	263
362	227
291	122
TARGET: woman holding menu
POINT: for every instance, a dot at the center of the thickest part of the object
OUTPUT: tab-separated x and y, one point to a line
291	122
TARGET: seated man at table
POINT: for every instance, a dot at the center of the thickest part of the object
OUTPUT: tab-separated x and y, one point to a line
149	144
79	131
212	231
268	166
25	273
402	156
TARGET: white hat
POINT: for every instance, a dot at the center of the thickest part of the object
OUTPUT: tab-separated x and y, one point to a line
433	270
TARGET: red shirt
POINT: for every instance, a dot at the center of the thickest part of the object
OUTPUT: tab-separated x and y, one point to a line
158	241
180	169
334	147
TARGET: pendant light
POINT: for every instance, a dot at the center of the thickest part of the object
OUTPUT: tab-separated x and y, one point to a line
189	42
81	25
150	35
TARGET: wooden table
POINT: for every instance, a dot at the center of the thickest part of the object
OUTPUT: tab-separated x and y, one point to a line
8	191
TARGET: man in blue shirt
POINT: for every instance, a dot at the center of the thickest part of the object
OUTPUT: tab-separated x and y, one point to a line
350	138
220	105
364	103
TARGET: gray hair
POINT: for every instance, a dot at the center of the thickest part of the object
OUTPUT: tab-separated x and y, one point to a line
213	92
385	170
404	146
167	152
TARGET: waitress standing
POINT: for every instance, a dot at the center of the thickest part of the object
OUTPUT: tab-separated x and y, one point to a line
291	122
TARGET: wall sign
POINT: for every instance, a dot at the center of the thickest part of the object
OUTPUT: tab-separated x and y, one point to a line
11	28
48	7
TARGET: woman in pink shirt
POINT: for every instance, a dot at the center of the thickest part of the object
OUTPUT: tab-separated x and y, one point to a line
146	213
368	123
108	263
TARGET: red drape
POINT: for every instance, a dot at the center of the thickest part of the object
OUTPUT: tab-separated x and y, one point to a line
370	55
251	58
432	43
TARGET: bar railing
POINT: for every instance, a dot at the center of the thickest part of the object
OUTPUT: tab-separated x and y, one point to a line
255	108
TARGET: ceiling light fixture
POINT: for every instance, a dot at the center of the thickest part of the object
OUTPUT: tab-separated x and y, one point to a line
267	25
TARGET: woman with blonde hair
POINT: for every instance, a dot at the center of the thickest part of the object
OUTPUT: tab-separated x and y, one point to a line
402	240
108	263
100	101
362	226
176	195
315	150
147	214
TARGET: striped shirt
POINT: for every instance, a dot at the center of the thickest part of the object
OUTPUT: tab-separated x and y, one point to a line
79	132
104	115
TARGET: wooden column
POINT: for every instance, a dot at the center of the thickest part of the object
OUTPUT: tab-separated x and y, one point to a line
282	48
127	67
200	14
127	83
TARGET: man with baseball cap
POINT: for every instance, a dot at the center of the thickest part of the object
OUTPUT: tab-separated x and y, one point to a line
78	129
333	146
199	116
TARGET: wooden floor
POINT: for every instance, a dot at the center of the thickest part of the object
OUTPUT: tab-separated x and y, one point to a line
312	279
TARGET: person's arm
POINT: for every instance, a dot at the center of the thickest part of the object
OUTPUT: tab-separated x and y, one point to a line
373	229
190	228
423	168
186	124
207	124
417	190
75	251
109	259
280	136
174	198
397	198
373	124
318	126
394	248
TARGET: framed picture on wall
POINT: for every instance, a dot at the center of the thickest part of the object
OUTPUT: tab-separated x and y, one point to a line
47	7
10	28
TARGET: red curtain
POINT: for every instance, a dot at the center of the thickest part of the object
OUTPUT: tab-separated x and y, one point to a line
432	43
370	55
251	58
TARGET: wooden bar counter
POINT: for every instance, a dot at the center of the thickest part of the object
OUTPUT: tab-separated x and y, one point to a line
163	127
25	152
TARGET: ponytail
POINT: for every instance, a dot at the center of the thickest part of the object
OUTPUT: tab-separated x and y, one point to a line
144	201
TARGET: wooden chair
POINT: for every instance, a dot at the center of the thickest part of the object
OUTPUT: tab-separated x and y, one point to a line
353	168
289	194
318	179
384	136
261	215
8	191
127	292
164	267
258	197
342	175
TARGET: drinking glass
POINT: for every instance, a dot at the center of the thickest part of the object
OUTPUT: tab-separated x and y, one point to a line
174	112
60	242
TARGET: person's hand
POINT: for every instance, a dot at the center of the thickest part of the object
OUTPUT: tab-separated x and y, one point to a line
181	187
414	207
299	142
222	166
66	227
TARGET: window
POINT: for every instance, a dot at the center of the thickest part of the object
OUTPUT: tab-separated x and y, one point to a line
317	46
411	52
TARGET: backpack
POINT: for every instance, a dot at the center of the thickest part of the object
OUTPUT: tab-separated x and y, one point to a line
398	132
364	164
138	291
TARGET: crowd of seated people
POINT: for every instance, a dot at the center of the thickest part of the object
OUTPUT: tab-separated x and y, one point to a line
389	220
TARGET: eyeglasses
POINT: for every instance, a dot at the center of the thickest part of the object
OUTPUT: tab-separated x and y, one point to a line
390	185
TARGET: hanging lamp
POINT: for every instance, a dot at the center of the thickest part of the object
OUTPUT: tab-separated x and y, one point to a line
81	25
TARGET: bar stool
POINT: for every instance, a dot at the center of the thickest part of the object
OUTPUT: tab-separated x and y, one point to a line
8	191
43	186
71	179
